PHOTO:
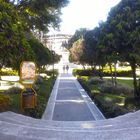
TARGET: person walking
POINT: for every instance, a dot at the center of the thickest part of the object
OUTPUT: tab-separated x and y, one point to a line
67	68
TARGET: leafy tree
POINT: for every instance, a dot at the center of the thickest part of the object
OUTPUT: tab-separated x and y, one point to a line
40	14
42	54
17	19
91	40
94	49
55	58
76	51
107	47
13	44
124	20
78	35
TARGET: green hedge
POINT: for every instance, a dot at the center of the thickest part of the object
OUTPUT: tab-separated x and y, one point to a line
90	72
84	84
108	108
119	73
5	102
50	72
132	104
108	87
87	72
8	73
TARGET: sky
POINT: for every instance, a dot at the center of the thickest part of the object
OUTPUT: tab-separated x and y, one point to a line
84	14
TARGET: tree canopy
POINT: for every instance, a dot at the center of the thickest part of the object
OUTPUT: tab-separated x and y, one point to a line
40	14
18	20
13	43
117	39
42	54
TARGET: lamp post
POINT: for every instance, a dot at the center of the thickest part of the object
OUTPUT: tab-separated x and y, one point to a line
53	53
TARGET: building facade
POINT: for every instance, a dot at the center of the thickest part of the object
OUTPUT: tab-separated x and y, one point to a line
55	42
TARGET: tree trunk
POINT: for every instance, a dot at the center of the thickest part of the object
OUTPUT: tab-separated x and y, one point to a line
115	75
100	73
93	67
83	66
111	72
136	92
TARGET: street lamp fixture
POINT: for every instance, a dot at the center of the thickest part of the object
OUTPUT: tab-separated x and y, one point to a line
53	54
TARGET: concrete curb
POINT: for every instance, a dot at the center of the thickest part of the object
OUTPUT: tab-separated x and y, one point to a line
48	113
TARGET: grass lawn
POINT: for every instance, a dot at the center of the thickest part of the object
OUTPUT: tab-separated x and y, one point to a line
126	82
117	99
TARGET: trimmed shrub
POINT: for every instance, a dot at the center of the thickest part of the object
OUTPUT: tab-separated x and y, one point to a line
39	80
132	104
5	102
13	90
84	85
50	72
90	72
119	73
87	72
108	87
9	73
108	108
95	81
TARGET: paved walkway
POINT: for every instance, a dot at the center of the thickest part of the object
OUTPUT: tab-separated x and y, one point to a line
70	102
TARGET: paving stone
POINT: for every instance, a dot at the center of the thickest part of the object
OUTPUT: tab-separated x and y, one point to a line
72	111
70	102
67	85
68	94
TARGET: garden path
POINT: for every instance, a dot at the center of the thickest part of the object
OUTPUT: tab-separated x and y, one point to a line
70	102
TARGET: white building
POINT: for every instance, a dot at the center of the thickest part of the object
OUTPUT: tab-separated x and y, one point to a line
54	42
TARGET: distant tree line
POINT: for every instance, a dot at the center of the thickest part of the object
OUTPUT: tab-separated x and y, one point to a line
117	39
18	20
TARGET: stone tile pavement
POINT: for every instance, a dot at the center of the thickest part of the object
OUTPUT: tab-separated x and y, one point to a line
70	102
